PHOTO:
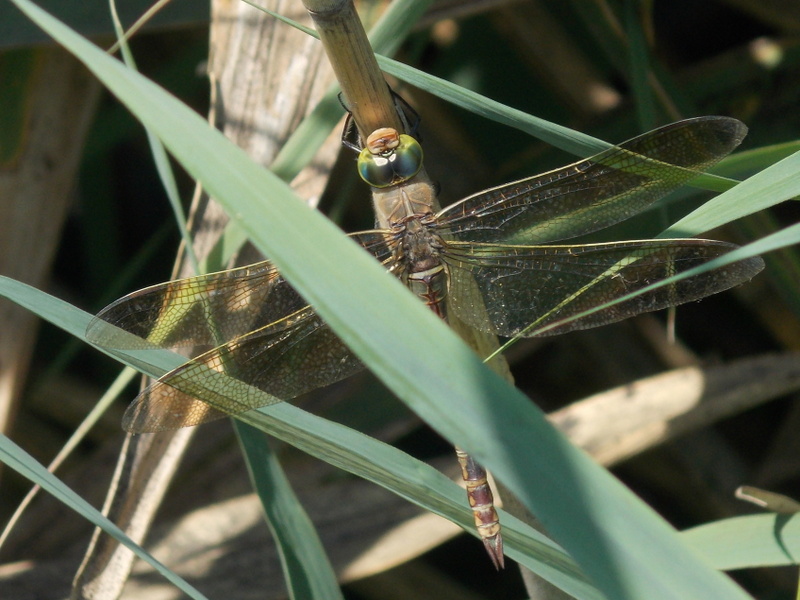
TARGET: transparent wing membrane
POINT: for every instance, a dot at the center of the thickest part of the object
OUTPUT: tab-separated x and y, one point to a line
247	330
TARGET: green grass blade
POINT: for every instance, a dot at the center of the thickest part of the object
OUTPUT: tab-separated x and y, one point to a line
418	483
747	162
639	64
24	464
344	448
569	140
769	540
308	571
153	362
767	188
160	158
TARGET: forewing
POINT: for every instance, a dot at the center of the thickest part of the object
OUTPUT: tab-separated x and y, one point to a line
200	313
284	362
519	290
594	193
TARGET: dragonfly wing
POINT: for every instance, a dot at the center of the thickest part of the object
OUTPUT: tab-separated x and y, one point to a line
521	290
283	362
198	312
592	194
161	407
247	330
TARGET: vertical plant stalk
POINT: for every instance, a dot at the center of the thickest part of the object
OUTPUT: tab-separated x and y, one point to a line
365	91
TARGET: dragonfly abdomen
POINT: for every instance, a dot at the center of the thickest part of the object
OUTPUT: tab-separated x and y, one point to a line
425	274
431	285
481	501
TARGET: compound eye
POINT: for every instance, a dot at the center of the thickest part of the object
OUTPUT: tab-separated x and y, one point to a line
382	164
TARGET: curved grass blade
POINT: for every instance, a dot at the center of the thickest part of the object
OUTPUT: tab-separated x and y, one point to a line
766	188
341	447
19	460
769	540
308	571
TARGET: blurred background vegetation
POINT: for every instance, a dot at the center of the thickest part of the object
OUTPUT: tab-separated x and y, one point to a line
611	69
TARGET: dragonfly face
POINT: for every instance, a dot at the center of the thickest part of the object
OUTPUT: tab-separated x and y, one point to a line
495	250
389	158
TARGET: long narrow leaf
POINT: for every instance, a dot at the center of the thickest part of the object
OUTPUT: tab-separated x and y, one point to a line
774	184
341	447
307	569
769	540
24	464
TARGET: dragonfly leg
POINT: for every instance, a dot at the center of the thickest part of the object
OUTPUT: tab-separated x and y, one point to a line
481	502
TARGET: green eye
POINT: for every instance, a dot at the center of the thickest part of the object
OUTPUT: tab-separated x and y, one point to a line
391	166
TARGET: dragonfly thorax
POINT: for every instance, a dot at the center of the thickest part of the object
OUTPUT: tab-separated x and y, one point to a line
419	246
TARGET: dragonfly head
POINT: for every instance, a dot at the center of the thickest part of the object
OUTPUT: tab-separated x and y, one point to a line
389	158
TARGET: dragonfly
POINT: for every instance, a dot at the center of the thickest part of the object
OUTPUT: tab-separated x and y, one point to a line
497	260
